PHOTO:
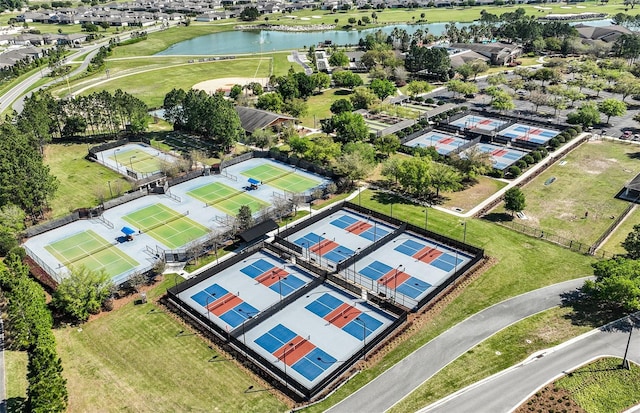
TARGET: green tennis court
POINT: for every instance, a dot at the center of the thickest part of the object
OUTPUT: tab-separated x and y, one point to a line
281	178
138	160
226	199
90	250
166	225
213	192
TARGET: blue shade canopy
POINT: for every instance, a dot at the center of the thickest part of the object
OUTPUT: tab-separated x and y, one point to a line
128	231
254	181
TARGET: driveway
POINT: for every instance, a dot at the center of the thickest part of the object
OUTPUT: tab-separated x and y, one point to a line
404	377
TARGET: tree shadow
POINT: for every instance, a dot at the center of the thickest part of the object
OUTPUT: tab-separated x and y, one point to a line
634	155
342	92
387	198
590	312
16	404
498	217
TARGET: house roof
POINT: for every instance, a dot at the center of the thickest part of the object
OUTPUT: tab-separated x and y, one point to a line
605	33
465	56
634	185
252	119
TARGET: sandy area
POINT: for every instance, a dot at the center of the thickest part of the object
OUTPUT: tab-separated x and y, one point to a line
226	83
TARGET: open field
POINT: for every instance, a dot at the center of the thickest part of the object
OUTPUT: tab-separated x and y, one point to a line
320	104
519	269
593	174
16	373
473	195
543	330
613	244
80	180
152	86
134	359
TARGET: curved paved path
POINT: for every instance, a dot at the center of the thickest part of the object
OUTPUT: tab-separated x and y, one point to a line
505	391
397	382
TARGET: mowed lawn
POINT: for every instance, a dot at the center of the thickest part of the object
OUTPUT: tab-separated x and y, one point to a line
15	365
152	86
522	264
588	182
613	243
320	104
80	180
134	359
472	196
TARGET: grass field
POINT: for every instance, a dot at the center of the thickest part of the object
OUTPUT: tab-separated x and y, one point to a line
320	104
518	269
514	344
16	372
281	178
137	160
153	85
90	250
134	359
81	181
593	174
473	195
166	225
613	244
602	386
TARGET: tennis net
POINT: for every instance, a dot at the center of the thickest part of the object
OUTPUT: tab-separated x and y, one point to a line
100	248
278	176
159	224
224	198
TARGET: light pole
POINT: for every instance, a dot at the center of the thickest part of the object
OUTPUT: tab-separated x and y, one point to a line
625	362
131	162
275	274
320	249
110	191
354	263
249	316
364	336
115	157
426	216
395	283
304	246
207	307
464	235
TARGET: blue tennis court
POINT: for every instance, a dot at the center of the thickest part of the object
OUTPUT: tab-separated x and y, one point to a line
523	132
345	316
478	122
224	305
296	352
443	143
362	228
276	278
430	253
501	156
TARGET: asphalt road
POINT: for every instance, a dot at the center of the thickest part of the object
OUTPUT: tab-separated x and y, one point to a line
505	391
400	380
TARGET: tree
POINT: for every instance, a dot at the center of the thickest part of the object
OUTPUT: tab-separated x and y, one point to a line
262	138
353	166
346	78
25	180
341	105
11	223
631	244
387	144
383	88
270	101
612	107
445	178
338	59
235	91
465	71
82	293
105	25
363	98
586	115
616	284
435	61
321	80
503	101
514	200
349	127
416	87
244	219
249	14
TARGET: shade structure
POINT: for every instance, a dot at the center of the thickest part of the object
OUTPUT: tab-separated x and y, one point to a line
128	231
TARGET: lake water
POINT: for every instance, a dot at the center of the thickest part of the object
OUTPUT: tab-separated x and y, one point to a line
239	42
